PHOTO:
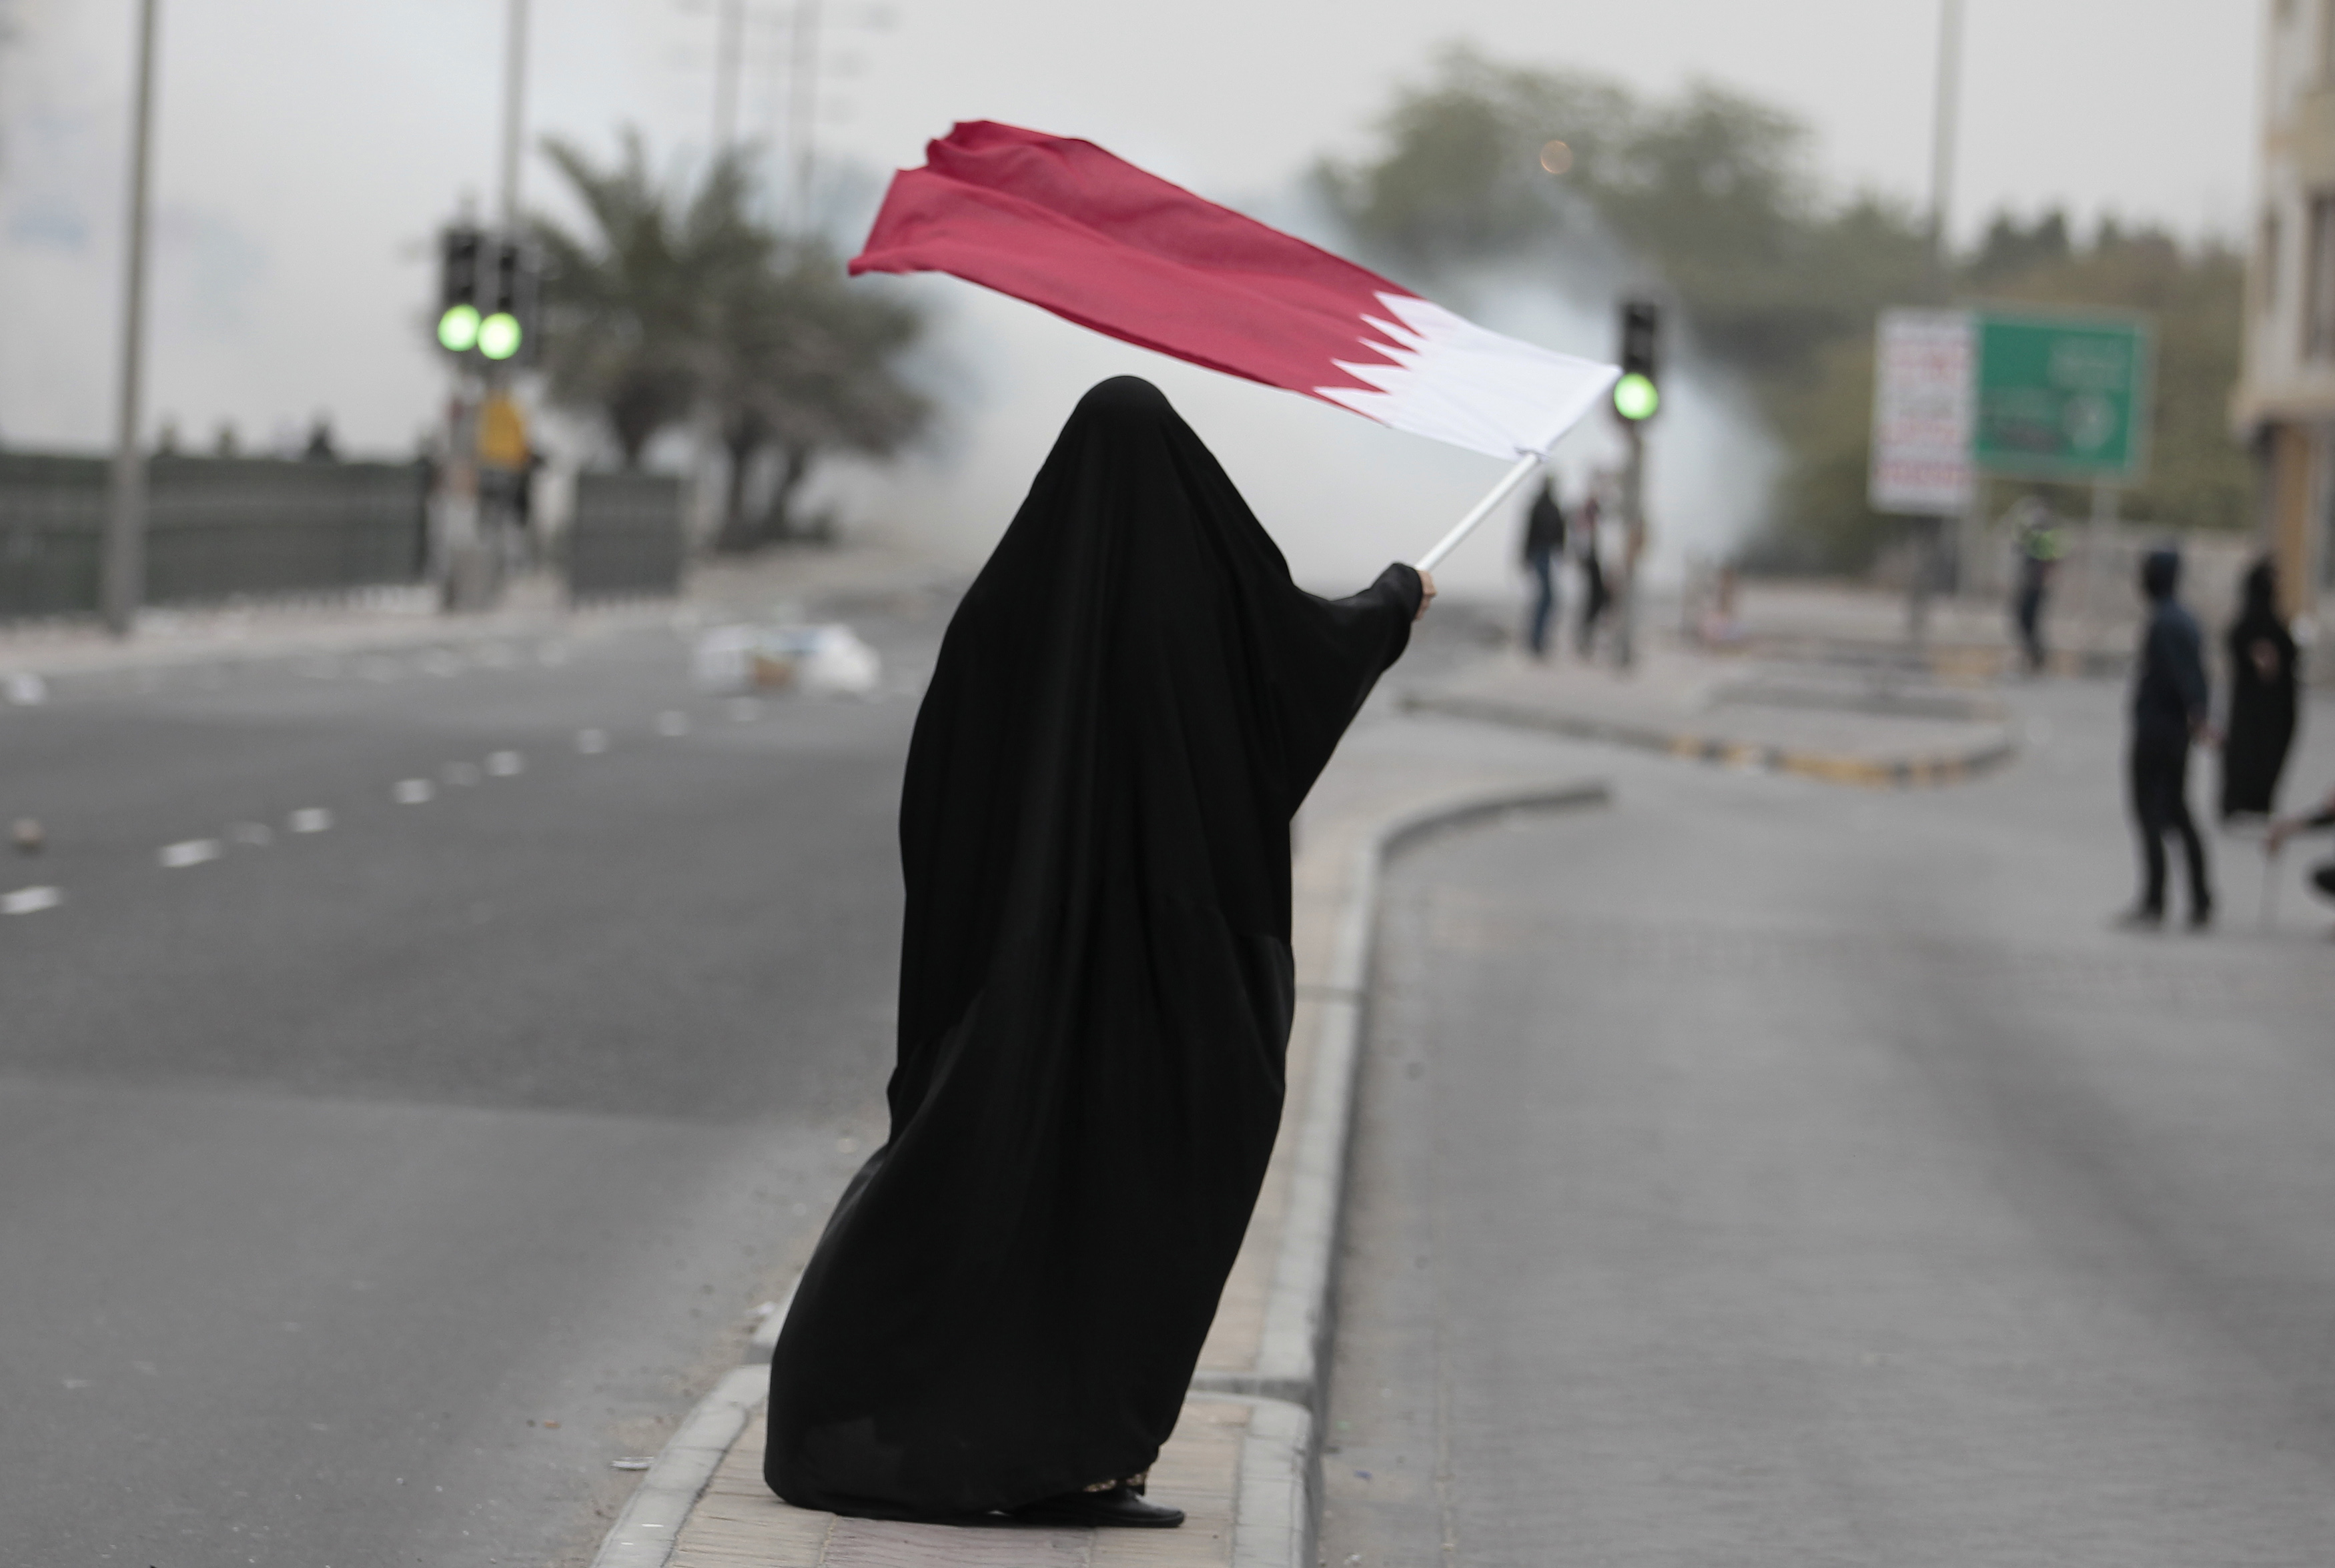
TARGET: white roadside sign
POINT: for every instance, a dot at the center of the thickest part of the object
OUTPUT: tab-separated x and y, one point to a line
1923	406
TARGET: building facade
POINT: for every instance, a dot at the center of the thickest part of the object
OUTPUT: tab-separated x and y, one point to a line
2284	403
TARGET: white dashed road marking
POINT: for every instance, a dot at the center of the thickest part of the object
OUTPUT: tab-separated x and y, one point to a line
189	852
414	791
506	764
673	721
311	819
29	900
591	743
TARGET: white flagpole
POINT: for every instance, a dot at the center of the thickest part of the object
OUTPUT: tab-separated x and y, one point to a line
1500	492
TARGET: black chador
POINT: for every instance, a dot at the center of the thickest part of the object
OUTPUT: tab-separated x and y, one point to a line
1095	988
2262	686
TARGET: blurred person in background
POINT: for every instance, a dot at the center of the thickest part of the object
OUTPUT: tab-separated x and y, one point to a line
1096	985
2040	546
1594	596
1544	552
2169	710
2263	684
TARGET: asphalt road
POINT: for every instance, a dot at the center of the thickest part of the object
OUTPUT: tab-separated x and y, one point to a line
369	1189
1760	1172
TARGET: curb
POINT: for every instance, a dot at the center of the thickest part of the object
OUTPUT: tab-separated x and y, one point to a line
1276	1511
1914	771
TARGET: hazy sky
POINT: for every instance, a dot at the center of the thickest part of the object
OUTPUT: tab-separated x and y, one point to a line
307	150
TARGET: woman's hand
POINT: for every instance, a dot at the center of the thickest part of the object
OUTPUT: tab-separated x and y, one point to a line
1426	593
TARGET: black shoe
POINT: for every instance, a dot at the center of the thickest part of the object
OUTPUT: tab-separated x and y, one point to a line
1115	1507
2201	917
2141	917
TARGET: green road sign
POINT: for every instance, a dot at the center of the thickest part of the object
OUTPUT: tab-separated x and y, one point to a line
2062	396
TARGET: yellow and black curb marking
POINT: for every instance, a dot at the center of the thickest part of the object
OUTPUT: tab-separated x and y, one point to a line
1917	771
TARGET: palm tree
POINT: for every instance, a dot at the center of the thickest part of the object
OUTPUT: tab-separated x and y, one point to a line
808	367
626	330
683	302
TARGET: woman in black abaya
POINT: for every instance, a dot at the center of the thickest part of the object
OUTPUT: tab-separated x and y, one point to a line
2262	699
1095	994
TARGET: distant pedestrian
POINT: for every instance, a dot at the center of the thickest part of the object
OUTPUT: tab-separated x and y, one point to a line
1005	1308
321	448
1544	552
2040	546
1593	596
2262	681
2169	711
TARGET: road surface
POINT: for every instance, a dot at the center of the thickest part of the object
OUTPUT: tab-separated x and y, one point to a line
1766	1173
370	1188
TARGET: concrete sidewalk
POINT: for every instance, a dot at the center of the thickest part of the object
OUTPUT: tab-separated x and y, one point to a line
1876	726
1243	1461
795	581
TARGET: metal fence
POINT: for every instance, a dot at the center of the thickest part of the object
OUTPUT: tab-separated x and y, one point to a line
625	540
216	528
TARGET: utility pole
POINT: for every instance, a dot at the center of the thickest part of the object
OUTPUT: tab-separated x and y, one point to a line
1633	545
802	104
1941	138
729	47
124	585
1929	532
514	112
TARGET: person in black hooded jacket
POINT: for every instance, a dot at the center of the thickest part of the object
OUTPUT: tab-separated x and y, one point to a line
2169	711
1005	1308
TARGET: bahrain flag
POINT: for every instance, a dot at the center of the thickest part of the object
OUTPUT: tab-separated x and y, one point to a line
1066	227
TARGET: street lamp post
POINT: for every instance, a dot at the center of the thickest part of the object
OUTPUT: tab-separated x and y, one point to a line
124	584
729	45
514	111
1929	532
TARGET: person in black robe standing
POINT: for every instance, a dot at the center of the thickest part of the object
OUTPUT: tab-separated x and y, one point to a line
1594	595
1544	549
2262	679
1006	1307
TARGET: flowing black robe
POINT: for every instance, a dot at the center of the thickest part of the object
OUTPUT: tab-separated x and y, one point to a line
1095	987
2262	701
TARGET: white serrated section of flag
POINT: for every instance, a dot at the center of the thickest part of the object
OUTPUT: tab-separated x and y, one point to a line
1452	381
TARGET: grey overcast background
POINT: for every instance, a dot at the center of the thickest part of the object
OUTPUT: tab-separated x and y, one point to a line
307	150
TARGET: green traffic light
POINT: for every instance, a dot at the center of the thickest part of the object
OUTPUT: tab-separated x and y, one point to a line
458	329
1634	397
499	336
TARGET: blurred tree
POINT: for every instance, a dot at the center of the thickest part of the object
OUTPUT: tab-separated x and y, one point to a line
2194	298
1710	197
806	368
685	303
1709	193
621	301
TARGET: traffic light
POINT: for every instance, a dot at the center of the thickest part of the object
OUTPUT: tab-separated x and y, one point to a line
459	250
486	295
510	318
1635	395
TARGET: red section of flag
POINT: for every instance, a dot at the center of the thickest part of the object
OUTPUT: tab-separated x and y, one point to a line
1066	227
